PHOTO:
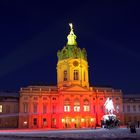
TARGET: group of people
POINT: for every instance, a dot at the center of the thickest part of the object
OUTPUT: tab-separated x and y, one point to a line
112	122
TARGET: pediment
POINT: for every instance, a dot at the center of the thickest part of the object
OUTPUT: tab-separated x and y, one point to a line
76	88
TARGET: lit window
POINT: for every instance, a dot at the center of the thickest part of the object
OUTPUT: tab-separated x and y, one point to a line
86	106
25	107
67	105
44	121
0	108
65	75
76	106
76	75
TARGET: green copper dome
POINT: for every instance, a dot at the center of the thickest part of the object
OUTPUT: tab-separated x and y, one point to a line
71	50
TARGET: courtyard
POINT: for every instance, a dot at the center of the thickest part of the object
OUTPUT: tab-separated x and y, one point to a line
74	134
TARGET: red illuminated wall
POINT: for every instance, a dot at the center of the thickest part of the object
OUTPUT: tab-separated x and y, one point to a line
54	116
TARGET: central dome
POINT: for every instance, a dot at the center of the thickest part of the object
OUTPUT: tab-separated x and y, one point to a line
71	50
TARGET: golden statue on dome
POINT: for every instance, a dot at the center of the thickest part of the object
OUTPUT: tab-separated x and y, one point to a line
71	37
71	26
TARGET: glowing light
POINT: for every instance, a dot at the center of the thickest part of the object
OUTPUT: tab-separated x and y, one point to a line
92	119
25	122
82	120
63	120
0	108
72	119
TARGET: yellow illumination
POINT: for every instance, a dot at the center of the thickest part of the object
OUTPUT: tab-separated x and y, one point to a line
63	120
71	37
73	120
92	119
82	120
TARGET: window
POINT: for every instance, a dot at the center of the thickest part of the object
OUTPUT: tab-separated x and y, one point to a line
67	105
44	108
76	75
53	122
44	121
0	108
35	98
25	98
25	107
7	108
129	118
134	108
86	106
65	75
35	121
128	108
35	107
53	98
135	118
76	106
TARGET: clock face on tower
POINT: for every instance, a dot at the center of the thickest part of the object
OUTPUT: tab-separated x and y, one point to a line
75	63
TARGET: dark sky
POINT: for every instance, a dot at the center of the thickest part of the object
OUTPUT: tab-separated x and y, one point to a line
31	32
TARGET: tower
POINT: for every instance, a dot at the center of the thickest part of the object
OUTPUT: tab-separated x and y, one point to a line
72	65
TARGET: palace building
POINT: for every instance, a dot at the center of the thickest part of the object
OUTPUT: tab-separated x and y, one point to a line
72	103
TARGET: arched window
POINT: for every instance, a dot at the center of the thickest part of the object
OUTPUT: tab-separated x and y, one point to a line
86	105
76	105
76	75
65	75
67	105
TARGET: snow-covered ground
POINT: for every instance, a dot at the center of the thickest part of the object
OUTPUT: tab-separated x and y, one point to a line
99	133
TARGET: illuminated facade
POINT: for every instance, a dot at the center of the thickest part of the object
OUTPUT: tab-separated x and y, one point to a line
72	103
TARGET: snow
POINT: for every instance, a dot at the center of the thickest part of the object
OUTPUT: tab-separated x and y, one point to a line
100	133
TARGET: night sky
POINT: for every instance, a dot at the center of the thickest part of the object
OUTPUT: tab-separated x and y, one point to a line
31	32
